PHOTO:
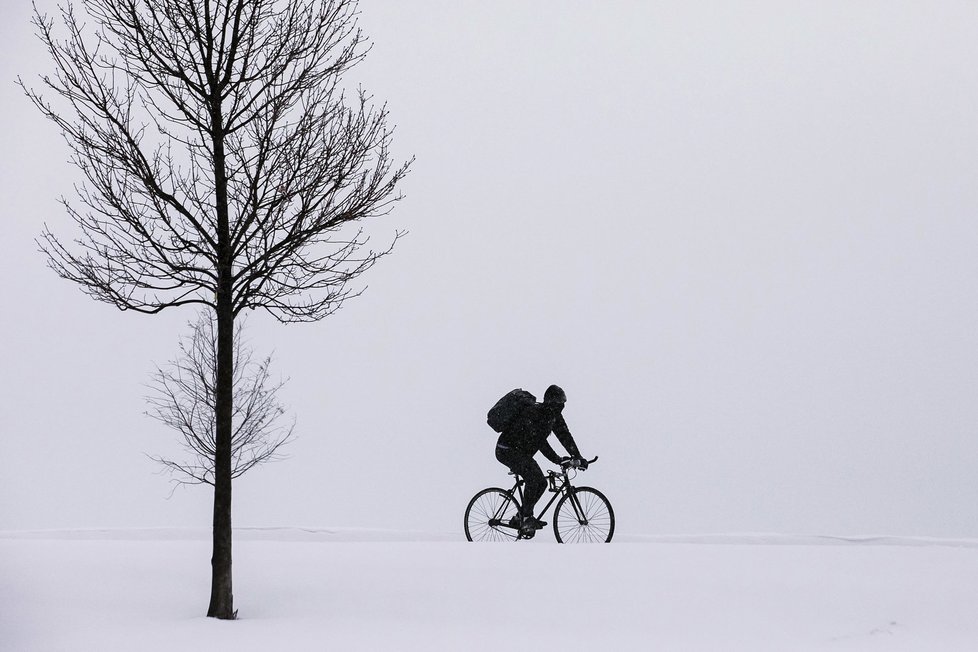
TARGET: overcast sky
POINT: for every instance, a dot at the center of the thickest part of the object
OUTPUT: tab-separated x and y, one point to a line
741	236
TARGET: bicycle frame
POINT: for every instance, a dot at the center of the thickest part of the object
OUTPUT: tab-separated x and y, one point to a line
564	488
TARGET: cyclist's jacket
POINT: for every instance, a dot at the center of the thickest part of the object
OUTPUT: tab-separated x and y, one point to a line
528	434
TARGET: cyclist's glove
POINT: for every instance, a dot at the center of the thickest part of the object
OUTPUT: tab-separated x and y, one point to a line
574	463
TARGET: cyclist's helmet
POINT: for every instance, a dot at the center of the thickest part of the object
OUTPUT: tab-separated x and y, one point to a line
555	397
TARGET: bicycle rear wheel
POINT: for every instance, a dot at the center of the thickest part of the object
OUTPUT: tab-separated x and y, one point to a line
488	514
584	516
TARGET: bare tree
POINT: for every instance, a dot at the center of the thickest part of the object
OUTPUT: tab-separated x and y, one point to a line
224	164
183	397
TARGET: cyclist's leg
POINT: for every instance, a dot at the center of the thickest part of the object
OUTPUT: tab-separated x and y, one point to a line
536	484
527	468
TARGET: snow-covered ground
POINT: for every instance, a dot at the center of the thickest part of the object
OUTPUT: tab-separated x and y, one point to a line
335	589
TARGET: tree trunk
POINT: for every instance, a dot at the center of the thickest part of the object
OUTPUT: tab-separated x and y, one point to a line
222	599
221	604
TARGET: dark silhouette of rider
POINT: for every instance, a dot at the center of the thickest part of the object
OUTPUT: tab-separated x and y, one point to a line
527	434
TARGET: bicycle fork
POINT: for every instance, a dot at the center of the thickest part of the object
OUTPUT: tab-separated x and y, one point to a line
578	508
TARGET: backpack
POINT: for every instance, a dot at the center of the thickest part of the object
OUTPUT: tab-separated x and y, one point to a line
506	409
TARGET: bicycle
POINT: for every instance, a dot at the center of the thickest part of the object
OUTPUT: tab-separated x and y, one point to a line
582	515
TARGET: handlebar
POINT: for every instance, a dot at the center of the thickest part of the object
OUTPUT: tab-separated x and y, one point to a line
576	464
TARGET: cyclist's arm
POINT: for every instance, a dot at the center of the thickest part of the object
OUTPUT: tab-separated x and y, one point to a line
564	436
549	452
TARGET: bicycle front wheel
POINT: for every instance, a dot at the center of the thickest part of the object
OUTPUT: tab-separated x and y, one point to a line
487	518
584	516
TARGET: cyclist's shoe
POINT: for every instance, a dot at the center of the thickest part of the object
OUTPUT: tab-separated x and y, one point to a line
515	521
531	524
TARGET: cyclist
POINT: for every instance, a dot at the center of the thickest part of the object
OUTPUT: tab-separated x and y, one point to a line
526	435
